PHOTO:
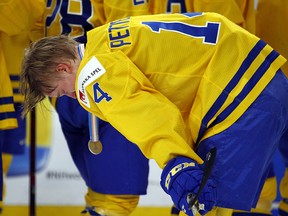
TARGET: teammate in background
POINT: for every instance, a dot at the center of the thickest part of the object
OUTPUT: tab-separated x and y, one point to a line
271	23
17	26
241	12
200	96
8	118
125	162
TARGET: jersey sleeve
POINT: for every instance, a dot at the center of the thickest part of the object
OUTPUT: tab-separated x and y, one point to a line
126	98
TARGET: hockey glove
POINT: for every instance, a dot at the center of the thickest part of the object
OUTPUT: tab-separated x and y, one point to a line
182	177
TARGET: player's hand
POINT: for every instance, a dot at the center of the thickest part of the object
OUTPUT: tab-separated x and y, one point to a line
182	176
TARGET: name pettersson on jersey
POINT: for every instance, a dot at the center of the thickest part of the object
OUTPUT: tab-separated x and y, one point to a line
119	33
90	72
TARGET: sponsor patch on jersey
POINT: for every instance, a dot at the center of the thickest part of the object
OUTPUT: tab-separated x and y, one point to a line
82	97
90	72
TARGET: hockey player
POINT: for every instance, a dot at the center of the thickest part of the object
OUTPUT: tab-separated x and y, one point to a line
15	25
201	95
104	195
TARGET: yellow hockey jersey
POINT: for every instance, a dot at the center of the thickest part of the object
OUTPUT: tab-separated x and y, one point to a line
241	12
13	12
74	18
166	82
20	23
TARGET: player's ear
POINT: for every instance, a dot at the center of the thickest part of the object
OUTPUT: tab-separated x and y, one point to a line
63	67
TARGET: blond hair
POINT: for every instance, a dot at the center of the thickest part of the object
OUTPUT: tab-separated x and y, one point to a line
39	67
